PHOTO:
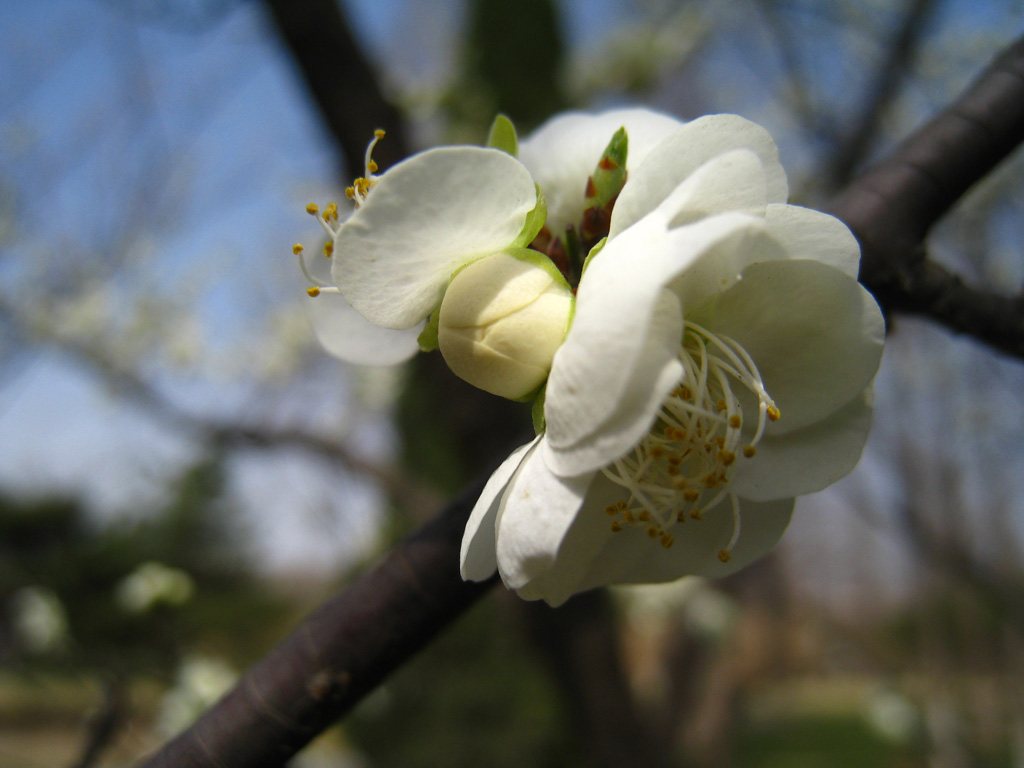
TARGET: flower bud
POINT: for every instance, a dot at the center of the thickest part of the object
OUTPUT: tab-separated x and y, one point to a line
501	320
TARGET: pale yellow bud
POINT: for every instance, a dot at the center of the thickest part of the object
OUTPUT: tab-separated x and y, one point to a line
501	321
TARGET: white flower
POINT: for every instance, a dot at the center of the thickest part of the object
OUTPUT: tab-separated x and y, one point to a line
417	228
719	364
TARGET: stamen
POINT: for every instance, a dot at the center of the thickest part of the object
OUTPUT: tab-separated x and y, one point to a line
685	466
725	554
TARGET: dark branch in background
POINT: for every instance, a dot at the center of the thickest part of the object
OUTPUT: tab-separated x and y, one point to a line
578	643
337	655
893	205
102	726
352	642
340	79
854	147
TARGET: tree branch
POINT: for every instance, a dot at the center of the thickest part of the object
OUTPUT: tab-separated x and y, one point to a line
337	655
352	642
893	205
340	79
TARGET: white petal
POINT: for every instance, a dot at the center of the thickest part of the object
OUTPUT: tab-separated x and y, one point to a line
424	219
563	153
609	377
348	335
731	182
814	332
808	234
809	459
684	151
588	535
630	557
656	370
534	515
698	282
478	559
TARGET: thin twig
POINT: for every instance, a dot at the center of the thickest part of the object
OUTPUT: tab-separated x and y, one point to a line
884	88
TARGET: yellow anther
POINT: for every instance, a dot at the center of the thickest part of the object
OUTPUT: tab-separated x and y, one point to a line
773	413
696	514
723	555
711	481
621	506
656	451
685	393
611	509
313	291
372	166
735	421
691	495
628	516
681	516
312	209
720	442
331	212
749	451
672	470
328	248
666	540
350	193
297	249
379	133
674	461
726	457
616	526
644	515
652	531
720	405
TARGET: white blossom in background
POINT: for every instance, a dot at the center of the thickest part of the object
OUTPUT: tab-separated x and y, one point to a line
718	365
39	620
153	584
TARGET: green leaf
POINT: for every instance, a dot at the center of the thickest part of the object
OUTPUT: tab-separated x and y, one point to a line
610	174
534	222
537	412
428	336
503	136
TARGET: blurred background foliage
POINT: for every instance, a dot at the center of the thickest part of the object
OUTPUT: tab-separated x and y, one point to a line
183	473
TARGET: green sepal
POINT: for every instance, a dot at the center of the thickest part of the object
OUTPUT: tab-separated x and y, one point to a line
541	260
503	136
534	221
610	174
593	252
428	336
537	412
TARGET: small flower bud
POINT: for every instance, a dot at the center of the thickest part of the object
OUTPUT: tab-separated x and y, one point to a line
501	321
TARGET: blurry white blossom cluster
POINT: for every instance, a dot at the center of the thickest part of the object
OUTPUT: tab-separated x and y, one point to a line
698	351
